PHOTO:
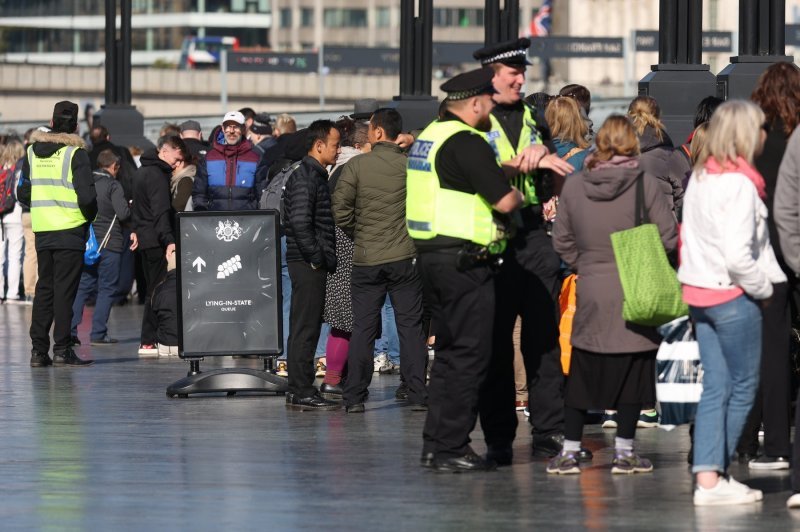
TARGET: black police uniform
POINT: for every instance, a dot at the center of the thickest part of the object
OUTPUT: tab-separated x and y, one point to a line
461	299
527	285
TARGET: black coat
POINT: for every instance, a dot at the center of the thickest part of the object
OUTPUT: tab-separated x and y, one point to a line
152	207
309	223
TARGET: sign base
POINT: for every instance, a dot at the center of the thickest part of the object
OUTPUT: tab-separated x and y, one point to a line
230	381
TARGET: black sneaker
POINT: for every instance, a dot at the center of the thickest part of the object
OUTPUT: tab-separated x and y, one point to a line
40	360
105	340
401	394
74	340
769	463
69	358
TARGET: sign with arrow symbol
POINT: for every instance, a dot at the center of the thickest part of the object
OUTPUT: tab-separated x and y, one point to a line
199	264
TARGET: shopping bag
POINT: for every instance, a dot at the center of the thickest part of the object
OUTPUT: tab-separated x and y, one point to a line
92	253
651	291
679	379
567	303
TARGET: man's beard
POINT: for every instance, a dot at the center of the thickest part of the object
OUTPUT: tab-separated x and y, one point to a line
485	124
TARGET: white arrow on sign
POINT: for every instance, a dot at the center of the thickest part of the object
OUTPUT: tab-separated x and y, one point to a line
198	263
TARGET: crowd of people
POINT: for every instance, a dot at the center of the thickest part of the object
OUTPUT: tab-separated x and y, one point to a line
455	240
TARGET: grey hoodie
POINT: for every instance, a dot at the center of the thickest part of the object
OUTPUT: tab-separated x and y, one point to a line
592	205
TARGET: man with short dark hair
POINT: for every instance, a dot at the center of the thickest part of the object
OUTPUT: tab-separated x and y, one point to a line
102	277
310	255
369	205
226	179
63	201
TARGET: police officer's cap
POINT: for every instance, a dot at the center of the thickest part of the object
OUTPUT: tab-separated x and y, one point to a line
511	53
469	84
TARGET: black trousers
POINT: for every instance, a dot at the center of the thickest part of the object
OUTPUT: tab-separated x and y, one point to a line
59	276
772	404
305	320
370	284
462	306
154	266
531	292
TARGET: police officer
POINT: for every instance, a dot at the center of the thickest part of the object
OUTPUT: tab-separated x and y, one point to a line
62	198
455	190
528	283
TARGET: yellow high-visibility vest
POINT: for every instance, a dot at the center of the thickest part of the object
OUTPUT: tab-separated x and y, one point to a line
54	203
504	151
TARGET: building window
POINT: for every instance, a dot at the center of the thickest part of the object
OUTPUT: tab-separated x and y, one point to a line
286	17
452	17
306	17
383	17
345	18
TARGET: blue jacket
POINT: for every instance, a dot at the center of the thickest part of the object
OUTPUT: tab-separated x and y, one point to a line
226	179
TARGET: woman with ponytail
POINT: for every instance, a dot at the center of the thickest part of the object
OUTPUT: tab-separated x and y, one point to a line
658	155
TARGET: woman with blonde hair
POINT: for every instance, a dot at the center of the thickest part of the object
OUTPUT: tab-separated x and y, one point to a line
658	155
568	130
728	271
613	361
11	233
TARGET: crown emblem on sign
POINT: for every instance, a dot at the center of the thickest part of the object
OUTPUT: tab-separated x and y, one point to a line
228	231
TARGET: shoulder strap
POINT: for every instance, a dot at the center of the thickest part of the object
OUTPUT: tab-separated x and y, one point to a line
574	151
641	216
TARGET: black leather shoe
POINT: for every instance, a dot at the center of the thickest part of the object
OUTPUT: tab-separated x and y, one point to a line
502	455
331	391
426	460
401	394
357	408
40	360
105	340
314	402
467	463
549	446
69	358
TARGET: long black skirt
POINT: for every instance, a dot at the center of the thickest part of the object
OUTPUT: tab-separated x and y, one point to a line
604	381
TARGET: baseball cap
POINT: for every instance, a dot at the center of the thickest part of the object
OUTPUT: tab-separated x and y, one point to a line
234	116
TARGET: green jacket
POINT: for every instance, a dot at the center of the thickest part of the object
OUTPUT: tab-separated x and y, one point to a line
369	204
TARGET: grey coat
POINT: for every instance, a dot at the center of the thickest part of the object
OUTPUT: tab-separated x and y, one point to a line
110	201
786	207
661	160
592	205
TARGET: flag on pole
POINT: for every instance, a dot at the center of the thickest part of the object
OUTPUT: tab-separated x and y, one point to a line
540	24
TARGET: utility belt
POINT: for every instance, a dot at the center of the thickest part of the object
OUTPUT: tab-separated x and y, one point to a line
468	256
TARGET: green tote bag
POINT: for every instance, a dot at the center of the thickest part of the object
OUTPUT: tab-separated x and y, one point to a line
650	287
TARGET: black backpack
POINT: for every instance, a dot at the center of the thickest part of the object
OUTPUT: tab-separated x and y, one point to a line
272	196
7	196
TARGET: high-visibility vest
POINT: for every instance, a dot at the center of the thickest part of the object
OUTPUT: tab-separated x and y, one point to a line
54	203
432	210
504	151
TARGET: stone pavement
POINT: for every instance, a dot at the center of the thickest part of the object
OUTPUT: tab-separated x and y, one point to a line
103	448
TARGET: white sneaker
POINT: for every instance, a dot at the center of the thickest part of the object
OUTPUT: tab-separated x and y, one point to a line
793	501
167	350
382	364
148	350
726	493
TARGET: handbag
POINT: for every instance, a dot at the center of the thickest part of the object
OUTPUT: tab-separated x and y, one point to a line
651	291
92	253
679	373
567	302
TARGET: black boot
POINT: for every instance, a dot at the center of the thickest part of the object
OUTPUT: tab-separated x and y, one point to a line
68	357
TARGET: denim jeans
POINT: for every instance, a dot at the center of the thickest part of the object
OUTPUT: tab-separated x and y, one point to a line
388	342
101	277
286	290
729	337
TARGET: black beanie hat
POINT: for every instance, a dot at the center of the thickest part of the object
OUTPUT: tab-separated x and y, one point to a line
65	117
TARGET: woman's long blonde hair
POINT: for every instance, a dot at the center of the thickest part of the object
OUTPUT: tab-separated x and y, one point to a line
616	137
563	116
734	131
11	153
644	111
